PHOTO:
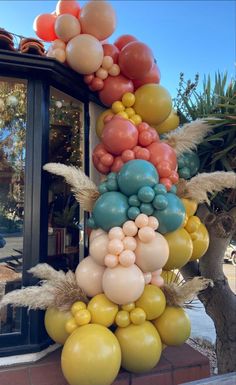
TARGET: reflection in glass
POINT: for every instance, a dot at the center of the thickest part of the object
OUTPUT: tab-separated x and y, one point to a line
65	222
12	173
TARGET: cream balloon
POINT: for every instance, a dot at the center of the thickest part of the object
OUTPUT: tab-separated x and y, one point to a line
96	233
89	276
59	54
84	53
153	255
67	26
98	19
123	285
58	44
98	248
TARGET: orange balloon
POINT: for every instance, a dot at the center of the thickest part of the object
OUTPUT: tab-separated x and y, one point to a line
135	60
68	6
114	88
153	76
66	27
98	19
44	26
123	40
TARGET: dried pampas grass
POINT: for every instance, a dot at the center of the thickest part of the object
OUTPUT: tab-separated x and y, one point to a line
200	185
187	137
183	294
85	191
57	289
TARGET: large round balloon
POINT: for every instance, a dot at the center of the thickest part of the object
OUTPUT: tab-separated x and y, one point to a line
153	255
135	60
91	356
152	301
141	347
110	210
98	248
112	51
98	19
123	285
66	27
152	76
114	88
181	248
44	26
123	40
102	310
70	7
84	54
119	134
89	276
172	217
173	326
136	174
55	321
153	103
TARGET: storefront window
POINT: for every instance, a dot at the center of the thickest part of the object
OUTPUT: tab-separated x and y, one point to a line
66	145
13	103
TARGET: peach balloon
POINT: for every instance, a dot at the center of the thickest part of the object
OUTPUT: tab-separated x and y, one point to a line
68	6
111	260
96	233
123	285
98	19
114	70
146	234
116	233
127	258
84	53
130	229
107	62
66	27
141	220
115	246
129	243
157	272
147	278
58	44
89	276
153	255
102	73
98	248
153	223
157	281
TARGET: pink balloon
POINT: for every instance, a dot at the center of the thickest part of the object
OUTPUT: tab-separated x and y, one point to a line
153	76
115	246
114	88
96	84
116	233
141	220
156	272
146	234
147	278
157	281
66	27
129	243
111	260
127	258
89	276
130	229
123	285
98	248
152	255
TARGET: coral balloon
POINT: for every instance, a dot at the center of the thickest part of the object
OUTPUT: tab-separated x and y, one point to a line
89	276
123	40
152	301
70	7
84	54
103	311
153	76
141	347
123	284
119	135
153	103
160	152
135	60
98	248
55	321
114	88
66	27
91	344
112	51
153	255
44	26
98	19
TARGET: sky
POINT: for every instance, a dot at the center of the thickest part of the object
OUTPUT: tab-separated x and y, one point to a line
185	36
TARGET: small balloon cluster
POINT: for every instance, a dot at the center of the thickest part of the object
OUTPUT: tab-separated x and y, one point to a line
188	165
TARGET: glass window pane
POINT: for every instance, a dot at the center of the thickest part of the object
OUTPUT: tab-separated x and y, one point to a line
66	145
13	104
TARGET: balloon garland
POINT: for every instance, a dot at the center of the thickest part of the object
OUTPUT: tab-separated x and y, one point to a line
124	303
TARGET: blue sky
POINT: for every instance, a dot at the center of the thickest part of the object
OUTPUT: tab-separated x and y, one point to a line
188	36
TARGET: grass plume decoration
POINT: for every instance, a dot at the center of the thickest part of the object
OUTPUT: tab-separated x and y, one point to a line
84	190
198	187
187	137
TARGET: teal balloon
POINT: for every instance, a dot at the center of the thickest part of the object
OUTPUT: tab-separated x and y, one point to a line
133	212
134	201
160	189
102	188
172	217
188	164
91	223
112	175
111	184
173	189
136	174
184	173
110	210
146	194
160	202
146	208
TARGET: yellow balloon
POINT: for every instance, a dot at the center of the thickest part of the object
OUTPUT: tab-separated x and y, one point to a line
136	119
153	103
100	121
83	317
170	276
128	99
128	307
169	124
78	305
152	301
55	321
140	346
91	356
173	326
71	325
137	316
130	112
102	310
123	114
117	107
190	206
192	224
200	240
122	318
180	249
